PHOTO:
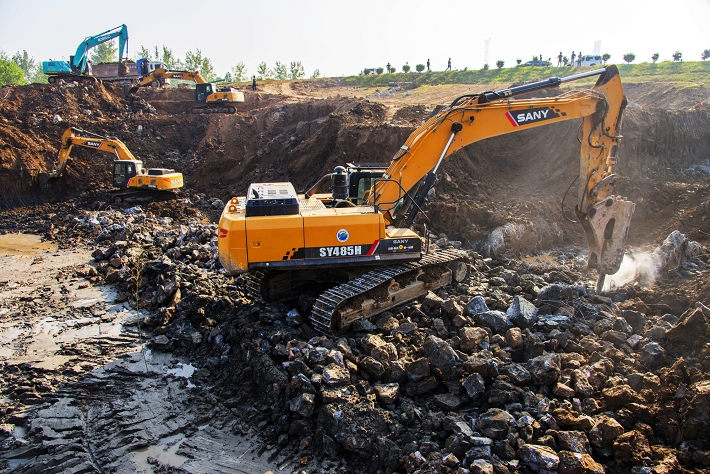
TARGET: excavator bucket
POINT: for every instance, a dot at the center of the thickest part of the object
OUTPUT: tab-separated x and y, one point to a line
122	69
606	228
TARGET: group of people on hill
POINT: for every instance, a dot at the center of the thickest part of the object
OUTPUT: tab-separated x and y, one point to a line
578	57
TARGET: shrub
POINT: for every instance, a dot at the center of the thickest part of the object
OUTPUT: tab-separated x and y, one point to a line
629	57
485	67
678	56
380	70
500	63
654	58
605	57
406	68
705	55
366	71
420	67
518	61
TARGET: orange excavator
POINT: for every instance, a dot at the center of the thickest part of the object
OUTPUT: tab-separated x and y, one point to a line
358	239
217	100
133	181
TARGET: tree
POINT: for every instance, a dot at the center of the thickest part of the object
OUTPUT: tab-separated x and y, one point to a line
500	63
678	56
263	71
654	58
195	62
420	67
227	77
104	53
239	72
605	57
392	70
280	71
170	61
316	74
380	70
296	70
629	57
26	63
518	61
143	53
406	68
705	55
10	73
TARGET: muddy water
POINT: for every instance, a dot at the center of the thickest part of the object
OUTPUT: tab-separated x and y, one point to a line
24	244
106	403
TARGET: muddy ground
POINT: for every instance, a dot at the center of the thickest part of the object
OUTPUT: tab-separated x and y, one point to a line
200	378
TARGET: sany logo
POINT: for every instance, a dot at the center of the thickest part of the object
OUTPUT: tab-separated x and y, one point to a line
523	117
94	144
176	76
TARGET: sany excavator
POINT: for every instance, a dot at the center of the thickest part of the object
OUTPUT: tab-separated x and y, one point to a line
77	68
135	183
358	236
218	100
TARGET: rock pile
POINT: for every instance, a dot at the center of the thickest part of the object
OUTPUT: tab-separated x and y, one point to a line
517	369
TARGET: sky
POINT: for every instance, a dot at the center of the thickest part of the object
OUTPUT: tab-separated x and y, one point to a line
342	37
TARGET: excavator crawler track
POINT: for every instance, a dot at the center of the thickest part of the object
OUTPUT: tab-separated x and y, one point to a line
381	289
220	109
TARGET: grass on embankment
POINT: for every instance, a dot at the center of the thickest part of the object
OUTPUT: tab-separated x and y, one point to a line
687	73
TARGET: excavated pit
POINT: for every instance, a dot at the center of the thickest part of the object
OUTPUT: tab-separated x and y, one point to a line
265	390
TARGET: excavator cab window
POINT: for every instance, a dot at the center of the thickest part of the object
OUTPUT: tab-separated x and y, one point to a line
360	182
124	171
202	91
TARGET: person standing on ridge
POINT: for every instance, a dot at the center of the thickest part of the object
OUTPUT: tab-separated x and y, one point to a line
448	68
428	69
559	59
253	83
579	59
388	68
573	56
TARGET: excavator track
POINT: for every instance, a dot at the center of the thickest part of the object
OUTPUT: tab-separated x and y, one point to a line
220	109
381	289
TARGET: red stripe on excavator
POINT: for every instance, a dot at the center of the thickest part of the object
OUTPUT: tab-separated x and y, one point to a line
223	233
512	120
373	247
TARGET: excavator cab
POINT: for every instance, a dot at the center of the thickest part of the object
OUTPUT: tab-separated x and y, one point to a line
362	177
124	170
202	92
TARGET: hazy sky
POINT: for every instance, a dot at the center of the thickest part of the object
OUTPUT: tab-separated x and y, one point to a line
340	37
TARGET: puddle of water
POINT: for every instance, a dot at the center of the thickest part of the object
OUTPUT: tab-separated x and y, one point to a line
165	452
24	244
540	260
183	370
13	463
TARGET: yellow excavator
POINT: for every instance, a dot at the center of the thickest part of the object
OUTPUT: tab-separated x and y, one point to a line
135	183
217	100
358	236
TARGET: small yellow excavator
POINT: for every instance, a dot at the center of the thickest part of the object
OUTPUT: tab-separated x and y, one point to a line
358	236
218	100
135	183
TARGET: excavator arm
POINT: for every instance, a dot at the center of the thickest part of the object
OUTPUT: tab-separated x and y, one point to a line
604	217
159	75
80	58
97	142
